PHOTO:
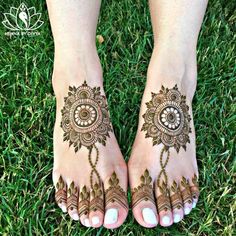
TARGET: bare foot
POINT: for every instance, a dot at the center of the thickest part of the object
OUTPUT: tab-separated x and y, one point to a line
89	173
162	168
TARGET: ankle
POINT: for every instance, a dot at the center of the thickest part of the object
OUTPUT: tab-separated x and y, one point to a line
173	66
74	69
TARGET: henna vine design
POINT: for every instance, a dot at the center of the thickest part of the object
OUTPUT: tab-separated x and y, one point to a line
144	191
167	122
115	193
85	121
60	195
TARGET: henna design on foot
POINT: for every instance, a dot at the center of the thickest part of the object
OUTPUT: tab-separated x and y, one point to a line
60	195
97	200
144	192
167	122
163	201
176	199
186	193
85	121
72	197
195	188
84	202
115	193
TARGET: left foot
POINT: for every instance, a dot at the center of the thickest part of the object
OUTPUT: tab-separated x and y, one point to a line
162	168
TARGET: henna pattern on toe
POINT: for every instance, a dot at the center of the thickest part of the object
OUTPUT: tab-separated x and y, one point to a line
72	197
84	202
97	200
176	199
186	193
195	188
85	121
115	193
60	195
167	122
163	201
144	192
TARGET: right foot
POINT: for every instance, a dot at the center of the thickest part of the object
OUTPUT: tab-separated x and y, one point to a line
92	190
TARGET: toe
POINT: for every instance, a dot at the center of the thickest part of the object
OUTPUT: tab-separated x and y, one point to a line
96	209
83	206
116	204
60	194
72	201
163	204
143	202
186	195
194	190
176	203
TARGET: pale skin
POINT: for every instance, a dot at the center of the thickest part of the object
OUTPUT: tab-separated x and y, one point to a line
176	25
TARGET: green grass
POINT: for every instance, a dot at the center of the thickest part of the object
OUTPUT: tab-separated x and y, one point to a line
27	116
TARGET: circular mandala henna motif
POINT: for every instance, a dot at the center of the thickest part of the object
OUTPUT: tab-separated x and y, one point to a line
85	118
167	119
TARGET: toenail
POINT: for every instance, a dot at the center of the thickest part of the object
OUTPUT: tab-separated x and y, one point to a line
111	216
149	216
63	208
95	220
187	210
86	223
194	204
177	218
166	220
75	216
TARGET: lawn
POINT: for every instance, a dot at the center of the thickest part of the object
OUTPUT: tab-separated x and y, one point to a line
27	113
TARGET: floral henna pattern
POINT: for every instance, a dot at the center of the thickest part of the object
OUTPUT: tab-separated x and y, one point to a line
167	122
72	196
84	202
144	192
60	195
195	188
186	193
115	193
85	122
97	200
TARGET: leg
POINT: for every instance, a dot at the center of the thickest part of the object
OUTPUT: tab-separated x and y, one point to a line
162	167
89	171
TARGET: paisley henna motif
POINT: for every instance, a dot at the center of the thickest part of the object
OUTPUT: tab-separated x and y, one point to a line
84	202
186	193
97	200
144	192
72	197
115	193
163	201
176	199
60	195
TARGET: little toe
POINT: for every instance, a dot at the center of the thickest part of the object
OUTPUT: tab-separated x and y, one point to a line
186	196
96	208
83	206
143	202
72	201
194	190
164	205
116	204
60	194
176	203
